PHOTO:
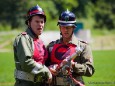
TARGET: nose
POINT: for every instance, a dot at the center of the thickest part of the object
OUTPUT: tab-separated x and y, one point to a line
40	24
65	29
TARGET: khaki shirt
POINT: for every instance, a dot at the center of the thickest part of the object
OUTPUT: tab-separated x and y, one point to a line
83	62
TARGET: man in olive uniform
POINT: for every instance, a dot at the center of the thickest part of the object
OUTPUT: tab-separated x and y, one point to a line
30	53
62	49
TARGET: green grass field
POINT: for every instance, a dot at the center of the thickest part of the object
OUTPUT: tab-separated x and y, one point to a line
104	62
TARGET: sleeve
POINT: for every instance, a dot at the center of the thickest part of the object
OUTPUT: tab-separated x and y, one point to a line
24	54
85	67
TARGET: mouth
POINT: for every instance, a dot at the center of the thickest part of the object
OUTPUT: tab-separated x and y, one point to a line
39	28
66	33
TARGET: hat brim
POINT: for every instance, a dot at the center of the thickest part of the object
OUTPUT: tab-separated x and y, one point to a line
66	24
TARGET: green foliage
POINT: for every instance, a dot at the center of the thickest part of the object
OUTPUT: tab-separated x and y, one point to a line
76	6
3	27
13	12
104	14
52	25
64	5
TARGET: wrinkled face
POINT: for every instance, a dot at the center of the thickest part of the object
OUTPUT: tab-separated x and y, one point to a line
66	31
37	24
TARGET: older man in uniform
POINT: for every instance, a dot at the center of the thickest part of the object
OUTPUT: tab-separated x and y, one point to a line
62	49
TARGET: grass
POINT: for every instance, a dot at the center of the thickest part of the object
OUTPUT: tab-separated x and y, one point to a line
6	69
104	69
103	61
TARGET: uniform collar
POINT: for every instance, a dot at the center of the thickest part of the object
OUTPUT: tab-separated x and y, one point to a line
74	40
31	33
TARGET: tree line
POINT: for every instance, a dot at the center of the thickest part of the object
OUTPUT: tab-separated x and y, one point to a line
13	12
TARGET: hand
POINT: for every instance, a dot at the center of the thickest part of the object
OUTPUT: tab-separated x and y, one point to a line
65	61
44	75
48	75
65	64
53	69
69	64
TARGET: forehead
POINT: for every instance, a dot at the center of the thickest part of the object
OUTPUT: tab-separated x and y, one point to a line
36	17
66	26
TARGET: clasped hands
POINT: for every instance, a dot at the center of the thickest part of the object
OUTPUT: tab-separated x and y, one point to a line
54	69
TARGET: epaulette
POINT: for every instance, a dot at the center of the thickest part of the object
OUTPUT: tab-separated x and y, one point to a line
53	42
83	41
23	33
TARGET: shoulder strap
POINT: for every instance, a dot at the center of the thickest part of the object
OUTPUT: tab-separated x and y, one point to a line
27	37
23	33
83	41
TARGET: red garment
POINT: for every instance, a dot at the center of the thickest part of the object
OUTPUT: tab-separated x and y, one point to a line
40	52
60	52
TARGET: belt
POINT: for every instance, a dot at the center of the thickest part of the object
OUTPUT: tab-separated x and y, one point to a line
60	81
24	75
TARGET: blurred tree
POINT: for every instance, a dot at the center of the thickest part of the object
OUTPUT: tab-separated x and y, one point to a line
105	14
76	6
49	8
13	12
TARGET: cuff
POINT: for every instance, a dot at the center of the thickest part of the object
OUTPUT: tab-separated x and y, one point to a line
80	68
36	68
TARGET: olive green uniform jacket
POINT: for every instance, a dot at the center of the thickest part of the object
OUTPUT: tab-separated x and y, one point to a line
23	53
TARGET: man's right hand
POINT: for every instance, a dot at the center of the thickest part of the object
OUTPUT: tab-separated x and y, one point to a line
44	74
